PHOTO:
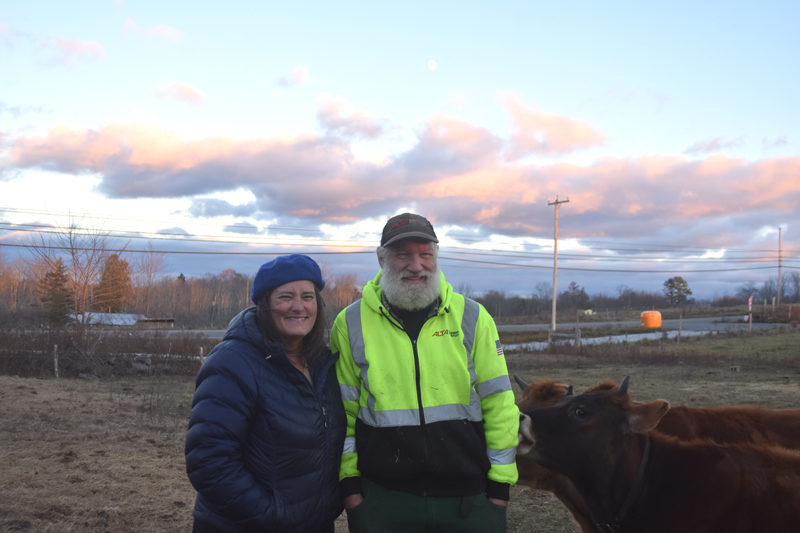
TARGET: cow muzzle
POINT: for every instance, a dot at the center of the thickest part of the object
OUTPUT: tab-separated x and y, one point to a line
527	440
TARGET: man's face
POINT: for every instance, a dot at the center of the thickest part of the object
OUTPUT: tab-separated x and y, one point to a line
410	276
413	261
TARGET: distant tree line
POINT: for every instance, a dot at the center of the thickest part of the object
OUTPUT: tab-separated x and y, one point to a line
575	300
75	273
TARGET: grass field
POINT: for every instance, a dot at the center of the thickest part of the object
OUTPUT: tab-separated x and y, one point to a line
107	455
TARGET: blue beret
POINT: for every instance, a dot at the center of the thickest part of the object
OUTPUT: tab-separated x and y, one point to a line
284	269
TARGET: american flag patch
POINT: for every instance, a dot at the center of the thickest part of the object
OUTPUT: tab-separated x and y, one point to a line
499	347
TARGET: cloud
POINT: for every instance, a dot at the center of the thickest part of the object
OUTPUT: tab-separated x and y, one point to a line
713	145
213	207
337	116
774	143
299	76
450	147
180	92
455	173
242	227
538	132
5	30
175	230
160	32
71	52
17	111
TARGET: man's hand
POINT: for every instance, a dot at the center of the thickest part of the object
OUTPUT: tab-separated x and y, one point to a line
495	501
353	500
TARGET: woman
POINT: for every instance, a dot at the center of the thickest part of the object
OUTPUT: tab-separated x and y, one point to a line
267	425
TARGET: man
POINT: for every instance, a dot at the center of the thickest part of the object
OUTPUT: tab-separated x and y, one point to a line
431	419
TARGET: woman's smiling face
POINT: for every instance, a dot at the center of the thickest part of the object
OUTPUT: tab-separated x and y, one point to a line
294	309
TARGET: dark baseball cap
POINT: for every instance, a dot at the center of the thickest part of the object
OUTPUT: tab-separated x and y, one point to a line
407	226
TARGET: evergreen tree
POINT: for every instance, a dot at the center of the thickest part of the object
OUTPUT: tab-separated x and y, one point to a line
55	294
575	297
115	289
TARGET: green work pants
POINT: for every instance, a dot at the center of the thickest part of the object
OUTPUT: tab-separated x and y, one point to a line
390	511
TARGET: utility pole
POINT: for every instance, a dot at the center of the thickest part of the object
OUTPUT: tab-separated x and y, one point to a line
555	259
780	253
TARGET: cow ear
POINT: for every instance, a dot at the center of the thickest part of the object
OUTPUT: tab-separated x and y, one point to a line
646	416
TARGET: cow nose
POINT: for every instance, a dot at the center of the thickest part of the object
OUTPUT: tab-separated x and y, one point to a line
525	436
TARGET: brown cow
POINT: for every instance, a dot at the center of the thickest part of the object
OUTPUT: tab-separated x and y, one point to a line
728	424
545	393
635	481
722	424
739	423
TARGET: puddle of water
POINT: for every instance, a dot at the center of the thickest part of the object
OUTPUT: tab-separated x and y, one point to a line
611	339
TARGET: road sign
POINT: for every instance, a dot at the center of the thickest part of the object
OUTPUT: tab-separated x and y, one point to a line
749	304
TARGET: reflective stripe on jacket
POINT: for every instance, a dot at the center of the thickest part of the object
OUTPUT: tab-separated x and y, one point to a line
435	415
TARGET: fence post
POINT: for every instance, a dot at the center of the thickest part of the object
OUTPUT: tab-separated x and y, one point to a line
55	359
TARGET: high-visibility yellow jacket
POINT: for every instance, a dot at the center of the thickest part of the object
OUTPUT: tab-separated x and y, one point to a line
433	415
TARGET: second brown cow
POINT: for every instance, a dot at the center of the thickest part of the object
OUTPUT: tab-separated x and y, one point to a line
633	479
730	424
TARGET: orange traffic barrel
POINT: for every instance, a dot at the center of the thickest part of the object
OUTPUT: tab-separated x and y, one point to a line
651	319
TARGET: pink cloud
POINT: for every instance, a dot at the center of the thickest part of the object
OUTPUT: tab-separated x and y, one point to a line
456	171
713	145
73	52
299	76
541	132
338	115
181	92
162	31
774	143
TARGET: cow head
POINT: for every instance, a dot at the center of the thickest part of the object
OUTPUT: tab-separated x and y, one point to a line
581	430
542	393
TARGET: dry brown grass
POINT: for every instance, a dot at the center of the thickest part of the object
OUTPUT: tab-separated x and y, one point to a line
88	455
107	455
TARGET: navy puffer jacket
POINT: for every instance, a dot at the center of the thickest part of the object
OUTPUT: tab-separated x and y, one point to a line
264	444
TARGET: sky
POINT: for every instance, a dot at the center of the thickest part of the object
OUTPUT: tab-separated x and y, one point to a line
240	130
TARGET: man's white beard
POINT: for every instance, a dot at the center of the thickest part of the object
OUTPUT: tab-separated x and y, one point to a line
410	296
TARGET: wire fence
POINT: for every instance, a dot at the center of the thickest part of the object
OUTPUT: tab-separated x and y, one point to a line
100	352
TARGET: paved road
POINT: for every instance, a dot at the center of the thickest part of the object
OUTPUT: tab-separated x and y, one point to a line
689	324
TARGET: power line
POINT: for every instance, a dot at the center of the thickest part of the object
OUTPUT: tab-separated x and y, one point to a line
178	252
356	247
179	237
641	248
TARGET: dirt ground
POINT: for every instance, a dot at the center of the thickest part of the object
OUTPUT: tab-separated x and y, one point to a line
92	455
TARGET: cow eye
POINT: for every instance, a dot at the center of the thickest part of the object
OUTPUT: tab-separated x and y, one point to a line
580	412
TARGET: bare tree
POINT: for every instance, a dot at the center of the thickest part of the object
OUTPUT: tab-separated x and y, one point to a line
340	291
794	282
9	283
677	290
84	252
147	268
